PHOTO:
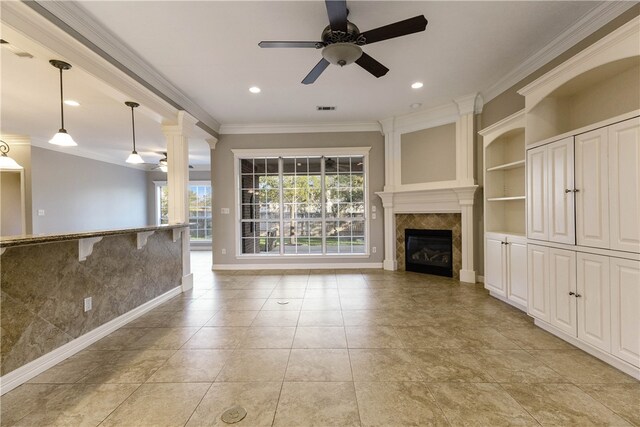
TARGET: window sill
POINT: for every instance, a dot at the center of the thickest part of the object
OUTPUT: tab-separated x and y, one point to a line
304	256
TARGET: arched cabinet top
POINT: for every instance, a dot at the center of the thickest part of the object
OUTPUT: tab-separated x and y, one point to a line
621	44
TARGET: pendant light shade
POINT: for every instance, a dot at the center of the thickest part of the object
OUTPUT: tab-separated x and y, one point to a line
61	138
134	157
6	162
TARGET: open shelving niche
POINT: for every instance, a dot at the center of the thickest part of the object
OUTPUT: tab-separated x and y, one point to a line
504	176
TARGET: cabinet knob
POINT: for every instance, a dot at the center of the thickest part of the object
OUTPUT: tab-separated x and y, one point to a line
572	293
567	191
575	190
578	295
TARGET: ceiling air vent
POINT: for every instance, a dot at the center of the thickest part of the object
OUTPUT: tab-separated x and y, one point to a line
15	50
325	108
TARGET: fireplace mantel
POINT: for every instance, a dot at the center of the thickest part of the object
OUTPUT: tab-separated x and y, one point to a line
430	200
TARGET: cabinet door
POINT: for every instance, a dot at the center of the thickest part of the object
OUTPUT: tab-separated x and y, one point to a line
625	310
517	271
592	182
538	286
537	209
494	279
562	282
561	203
593	300
624	185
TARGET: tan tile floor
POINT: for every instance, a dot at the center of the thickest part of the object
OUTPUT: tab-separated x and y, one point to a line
322	348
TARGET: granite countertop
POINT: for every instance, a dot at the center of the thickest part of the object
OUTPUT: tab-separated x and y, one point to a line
29	239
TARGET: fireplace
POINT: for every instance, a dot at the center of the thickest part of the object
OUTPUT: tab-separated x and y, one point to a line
429	251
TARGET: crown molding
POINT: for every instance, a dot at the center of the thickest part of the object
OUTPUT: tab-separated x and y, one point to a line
244	129
75	21
587	25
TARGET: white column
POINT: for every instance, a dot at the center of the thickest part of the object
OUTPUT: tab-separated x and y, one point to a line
390	262
178	184
465	198
468	106
212	141
389	153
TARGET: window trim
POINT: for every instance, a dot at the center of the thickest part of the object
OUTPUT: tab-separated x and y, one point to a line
161	183
241	153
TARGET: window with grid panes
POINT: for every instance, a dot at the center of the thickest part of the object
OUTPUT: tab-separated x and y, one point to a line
311	205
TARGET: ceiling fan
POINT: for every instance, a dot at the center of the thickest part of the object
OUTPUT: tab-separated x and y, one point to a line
341	41
162	164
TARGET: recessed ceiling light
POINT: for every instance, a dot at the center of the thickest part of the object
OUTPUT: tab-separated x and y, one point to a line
71	103
416	105
416	85
254	89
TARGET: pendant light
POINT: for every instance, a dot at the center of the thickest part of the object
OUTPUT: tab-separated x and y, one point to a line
61	138
6	162
134	157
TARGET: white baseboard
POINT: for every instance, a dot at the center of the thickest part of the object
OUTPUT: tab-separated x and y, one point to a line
24	373
620	364
310	266
506	301
468	276
480	279
391	265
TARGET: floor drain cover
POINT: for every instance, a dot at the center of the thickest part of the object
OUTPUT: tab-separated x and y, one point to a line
283	302
234	415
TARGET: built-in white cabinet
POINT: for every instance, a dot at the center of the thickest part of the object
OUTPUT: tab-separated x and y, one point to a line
592	180
624	185
593	300
551	192
505	272
537	192
538	304
585	190
625	313
582	141
506	267
562	290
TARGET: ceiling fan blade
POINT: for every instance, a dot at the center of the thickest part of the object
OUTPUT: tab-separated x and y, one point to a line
397	29
337	11
313	45
315	73
371	65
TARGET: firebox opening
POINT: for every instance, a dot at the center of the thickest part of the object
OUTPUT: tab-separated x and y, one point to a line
429	251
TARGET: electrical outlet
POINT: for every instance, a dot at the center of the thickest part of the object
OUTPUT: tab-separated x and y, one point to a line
40	212
87	304
373	209
224	211
373	216
374	250
224	251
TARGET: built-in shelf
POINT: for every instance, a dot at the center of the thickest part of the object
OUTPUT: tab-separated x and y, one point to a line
504	176
507	166
502	199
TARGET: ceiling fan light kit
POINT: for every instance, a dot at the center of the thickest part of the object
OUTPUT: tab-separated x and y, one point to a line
62	138
342	40
342	53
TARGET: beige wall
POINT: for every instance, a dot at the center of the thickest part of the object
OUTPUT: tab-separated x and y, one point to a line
11	203
21	153
81	194
222	176
428	155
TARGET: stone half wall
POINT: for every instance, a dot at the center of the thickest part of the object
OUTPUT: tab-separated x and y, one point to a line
432	221
43	287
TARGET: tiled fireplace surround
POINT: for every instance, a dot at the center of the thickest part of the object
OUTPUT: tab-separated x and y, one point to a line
431	221
440	209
